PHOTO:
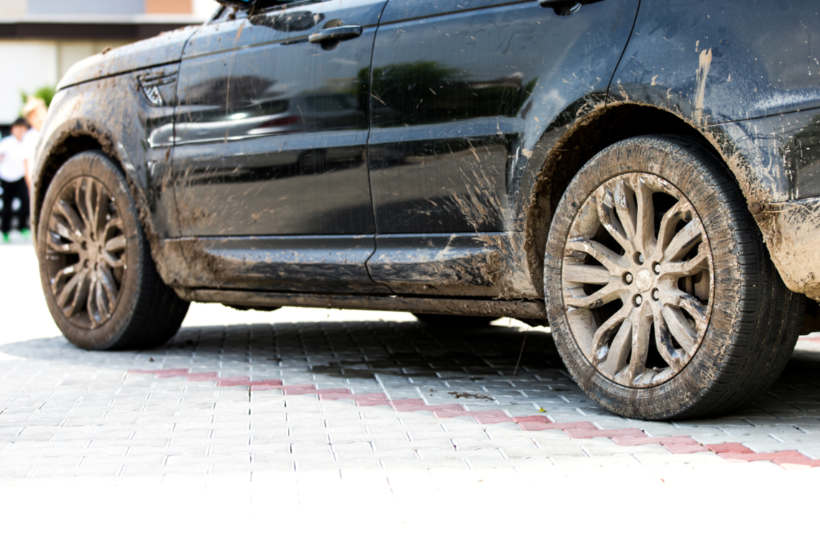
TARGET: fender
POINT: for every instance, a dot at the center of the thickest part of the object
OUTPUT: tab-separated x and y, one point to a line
713	66
116	116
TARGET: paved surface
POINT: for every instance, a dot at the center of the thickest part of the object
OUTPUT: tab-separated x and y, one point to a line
319	423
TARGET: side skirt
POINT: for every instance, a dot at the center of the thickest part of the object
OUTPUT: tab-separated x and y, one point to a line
245	299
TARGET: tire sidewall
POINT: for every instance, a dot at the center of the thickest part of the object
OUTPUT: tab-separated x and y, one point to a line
701	183
97	166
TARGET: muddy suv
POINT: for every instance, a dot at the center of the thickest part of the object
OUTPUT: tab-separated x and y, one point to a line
643	176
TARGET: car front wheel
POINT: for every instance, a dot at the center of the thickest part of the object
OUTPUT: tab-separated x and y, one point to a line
96	270
661	296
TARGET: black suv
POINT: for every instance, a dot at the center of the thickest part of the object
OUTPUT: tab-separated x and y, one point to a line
642	175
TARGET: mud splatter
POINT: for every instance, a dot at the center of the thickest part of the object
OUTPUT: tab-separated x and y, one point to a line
704	65
788	229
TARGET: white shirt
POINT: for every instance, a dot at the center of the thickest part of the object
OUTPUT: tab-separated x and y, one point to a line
12	153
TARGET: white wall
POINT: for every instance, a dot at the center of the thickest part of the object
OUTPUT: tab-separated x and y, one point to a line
26	65
71	52
205	8
13	8
109	7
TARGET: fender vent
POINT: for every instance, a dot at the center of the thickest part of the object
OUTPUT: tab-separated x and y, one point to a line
151	85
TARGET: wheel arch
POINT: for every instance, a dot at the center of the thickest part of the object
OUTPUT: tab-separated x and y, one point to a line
80	136
63	150
570	147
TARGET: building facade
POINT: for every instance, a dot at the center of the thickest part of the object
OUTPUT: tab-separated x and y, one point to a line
41	39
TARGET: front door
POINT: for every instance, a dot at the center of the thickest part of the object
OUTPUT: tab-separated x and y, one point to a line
462	90
270	136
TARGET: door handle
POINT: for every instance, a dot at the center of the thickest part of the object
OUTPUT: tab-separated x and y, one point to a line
335	34
565	7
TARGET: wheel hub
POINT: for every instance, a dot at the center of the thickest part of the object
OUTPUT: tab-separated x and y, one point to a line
637	276
644	280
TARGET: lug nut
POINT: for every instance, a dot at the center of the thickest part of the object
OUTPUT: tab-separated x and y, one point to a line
638	300
656	268
656	294
628	278
639	259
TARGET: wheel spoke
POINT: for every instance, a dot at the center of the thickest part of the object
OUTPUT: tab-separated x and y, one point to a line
92	306
687	302
681	330
624	201
641	332
668	223
599	350
606	257
105	304
615	358
599	298
112	261
113	224
60	229
109	286
663	341
75	223
65	291
696	310
693	266
100	303
77	294
96	200
80	294
645	230
64	275
683	241
586	274
80	201
116	244
54	244
609	221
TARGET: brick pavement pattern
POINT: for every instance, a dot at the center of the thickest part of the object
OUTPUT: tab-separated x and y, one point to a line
319	389
371	399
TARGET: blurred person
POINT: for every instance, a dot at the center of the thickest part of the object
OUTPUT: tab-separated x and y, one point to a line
34	111
12	178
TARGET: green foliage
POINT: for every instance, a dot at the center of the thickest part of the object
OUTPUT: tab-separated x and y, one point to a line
46	93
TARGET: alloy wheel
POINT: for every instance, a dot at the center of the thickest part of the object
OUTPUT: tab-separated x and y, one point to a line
637	280
85	253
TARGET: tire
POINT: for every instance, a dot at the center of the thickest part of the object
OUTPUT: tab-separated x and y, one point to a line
454	322
96	270
661	296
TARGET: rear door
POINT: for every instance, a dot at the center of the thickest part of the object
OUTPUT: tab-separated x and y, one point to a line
270	137
460	89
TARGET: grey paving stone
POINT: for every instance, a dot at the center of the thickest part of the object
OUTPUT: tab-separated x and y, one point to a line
66	412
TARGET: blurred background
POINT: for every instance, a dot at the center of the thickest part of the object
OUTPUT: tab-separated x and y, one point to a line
41	39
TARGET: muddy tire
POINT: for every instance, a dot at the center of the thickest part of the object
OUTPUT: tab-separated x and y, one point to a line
454	322
661	296
96	270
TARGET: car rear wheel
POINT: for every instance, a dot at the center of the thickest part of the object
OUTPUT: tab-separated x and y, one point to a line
661	296
98	277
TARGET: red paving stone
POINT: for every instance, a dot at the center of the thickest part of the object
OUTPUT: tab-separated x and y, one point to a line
731	447
575	429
